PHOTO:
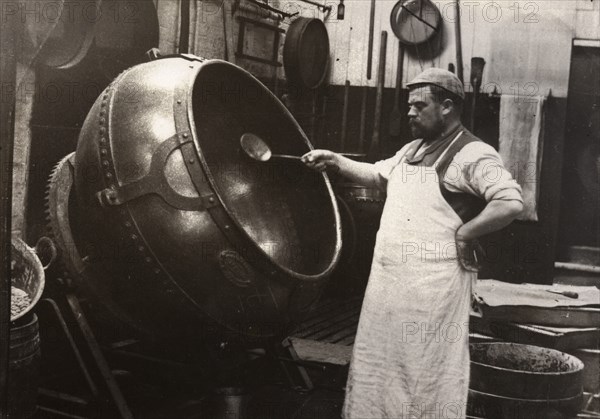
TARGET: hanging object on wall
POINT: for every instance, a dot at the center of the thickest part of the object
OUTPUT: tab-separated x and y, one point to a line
458	42
111	35
374	149
370	48
306	52
398	109
477	64
415	21
258	41
341	10
70	39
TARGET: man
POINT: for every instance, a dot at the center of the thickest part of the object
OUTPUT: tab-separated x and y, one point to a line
411	355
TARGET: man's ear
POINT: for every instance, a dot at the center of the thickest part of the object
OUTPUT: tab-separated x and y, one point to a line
447	106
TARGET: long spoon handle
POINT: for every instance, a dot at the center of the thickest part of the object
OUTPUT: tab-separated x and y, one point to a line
285	156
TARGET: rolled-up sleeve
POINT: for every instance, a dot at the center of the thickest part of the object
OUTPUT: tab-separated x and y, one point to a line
478	169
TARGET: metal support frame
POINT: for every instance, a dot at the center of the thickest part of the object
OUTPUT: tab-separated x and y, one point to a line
292	366
106	398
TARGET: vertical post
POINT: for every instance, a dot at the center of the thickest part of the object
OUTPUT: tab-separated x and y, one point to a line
458	41
374	149
344	132
8	29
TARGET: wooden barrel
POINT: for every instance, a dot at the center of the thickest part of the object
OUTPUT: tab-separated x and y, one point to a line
24	365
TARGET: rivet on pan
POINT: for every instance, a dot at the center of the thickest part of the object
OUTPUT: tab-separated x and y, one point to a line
179	101
103	151
191	161
211	200
102	130
102	113
103	140
141	248
102	121
148	259
134	236
227	227
105	163
108	175
156	271
127	224
185	135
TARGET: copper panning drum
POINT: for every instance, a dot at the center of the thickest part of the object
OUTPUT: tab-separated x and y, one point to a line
184	226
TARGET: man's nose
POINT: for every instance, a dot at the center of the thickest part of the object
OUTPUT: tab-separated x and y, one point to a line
412	112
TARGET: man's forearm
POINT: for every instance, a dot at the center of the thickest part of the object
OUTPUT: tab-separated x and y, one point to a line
495	215
358	172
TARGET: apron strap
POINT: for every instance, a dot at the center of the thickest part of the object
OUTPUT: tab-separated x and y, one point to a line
465	205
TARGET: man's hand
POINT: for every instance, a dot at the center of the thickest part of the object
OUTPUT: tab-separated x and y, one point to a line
321	160
362	173
470	254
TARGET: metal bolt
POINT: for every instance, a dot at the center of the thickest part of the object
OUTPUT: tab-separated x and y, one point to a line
105	163
211	200
191	161
108	175
134	236
127	224
179	101
103	151
185	135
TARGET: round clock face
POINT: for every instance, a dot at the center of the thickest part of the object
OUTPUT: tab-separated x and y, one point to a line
415	21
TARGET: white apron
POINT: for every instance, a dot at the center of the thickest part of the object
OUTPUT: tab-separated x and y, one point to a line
411	354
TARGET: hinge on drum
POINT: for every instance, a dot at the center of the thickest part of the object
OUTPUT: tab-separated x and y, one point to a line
156	183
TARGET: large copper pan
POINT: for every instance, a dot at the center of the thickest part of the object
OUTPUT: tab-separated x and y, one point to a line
189	229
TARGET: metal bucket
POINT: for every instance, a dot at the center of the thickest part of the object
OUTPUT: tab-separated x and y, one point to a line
23	367
28	272
363	207
525	372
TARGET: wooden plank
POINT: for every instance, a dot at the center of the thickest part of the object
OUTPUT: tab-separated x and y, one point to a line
327	353
323	312
548	316
326	322
349	320
350	330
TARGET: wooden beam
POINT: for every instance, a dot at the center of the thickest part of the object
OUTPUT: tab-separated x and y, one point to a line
7	105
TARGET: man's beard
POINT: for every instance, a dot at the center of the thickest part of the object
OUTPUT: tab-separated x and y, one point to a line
428	134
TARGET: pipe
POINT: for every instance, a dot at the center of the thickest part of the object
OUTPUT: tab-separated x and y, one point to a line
374	149
458	37
370	48
363	120
344	133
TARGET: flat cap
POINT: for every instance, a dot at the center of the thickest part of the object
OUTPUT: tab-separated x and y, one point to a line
442	78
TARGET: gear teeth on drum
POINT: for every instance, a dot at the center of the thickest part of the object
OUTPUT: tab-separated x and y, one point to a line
52	227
